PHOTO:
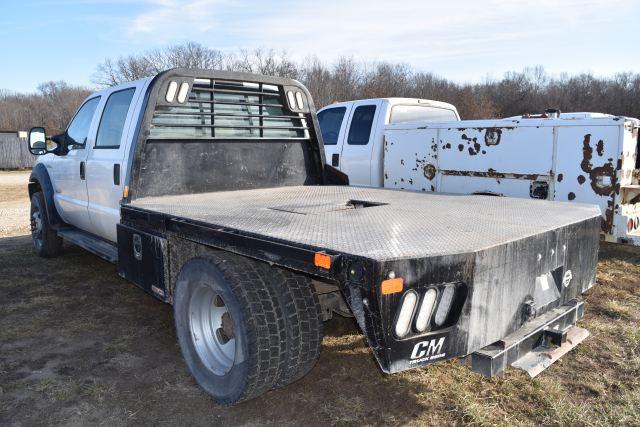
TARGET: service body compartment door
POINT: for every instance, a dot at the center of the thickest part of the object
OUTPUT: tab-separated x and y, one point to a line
630	181
505	161
588	168
411	159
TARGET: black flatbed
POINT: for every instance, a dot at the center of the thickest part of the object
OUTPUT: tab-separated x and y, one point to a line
379	224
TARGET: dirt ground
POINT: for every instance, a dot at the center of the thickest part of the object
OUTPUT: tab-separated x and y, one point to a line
79	345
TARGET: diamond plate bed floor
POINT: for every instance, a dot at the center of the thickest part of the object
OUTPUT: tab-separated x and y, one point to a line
380	224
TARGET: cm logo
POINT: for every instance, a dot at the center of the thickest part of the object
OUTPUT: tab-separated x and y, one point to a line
427	348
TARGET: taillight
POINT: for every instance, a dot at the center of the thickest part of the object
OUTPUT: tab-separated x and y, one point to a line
445	305
426	309
431	309
407	307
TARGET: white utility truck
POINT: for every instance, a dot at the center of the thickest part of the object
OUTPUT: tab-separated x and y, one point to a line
577	157
210	191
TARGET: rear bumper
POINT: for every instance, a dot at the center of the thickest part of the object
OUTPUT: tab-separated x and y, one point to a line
545	332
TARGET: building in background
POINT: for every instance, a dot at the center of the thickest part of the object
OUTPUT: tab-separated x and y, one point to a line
14	153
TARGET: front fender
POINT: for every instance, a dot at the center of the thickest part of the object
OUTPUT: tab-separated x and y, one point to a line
40	180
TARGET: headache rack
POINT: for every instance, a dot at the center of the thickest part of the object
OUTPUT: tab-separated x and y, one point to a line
225	109
207	130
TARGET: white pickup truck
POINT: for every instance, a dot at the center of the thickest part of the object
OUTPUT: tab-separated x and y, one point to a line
210	191
422	145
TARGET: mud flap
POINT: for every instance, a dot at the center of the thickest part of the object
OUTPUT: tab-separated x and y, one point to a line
536	345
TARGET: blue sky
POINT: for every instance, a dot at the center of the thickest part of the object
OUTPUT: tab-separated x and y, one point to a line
463	40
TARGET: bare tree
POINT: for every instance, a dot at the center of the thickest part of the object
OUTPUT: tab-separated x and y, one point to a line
531	90
52	106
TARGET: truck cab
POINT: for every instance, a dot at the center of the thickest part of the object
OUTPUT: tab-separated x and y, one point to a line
353	132
88	169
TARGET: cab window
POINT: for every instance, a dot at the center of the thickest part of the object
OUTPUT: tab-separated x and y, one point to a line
420	113
330	121
113	119
78	129
361	123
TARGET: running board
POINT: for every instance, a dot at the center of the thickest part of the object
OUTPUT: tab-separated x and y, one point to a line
536	345
95	245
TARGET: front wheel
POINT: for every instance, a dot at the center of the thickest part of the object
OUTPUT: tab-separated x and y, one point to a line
46	242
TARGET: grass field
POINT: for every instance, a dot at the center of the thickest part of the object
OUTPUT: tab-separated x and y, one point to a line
79	345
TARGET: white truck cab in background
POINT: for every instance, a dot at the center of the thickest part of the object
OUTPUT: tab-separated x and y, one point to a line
581	157
353	132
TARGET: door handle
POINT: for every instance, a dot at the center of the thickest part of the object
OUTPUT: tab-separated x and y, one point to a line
82	171
116	174
335	160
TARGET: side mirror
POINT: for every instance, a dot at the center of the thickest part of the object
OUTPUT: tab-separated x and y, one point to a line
38	142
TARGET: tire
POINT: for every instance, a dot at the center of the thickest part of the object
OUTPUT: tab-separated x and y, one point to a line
303	322
46	242
206	289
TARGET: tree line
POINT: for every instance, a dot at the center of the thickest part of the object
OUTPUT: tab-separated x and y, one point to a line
531	90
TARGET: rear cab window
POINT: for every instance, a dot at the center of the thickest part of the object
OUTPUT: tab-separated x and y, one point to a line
420	113
113	119
360	128
330	121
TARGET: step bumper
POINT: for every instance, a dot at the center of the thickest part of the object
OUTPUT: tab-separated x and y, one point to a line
536	345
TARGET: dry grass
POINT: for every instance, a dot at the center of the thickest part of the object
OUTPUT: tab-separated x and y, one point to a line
79	345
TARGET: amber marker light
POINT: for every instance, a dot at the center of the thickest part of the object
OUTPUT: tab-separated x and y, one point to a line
392	286
321	260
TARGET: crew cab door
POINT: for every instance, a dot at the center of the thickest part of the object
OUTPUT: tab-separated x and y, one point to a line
69	170
357	148
105	162
333	125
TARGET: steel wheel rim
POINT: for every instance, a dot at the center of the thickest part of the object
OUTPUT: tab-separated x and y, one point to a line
212	330
36	224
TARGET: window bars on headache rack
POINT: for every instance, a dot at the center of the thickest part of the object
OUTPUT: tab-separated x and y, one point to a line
222	109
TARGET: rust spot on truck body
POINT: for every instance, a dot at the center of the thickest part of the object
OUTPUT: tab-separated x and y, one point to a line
598	175
492	136
492	173
475	149
429	171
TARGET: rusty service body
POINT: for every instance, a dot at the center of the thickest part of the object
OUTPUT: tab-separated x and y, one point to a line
581	157
226	210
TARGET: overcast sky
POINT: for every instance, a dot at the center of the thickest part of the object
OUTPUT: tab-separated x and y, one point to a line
464	40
